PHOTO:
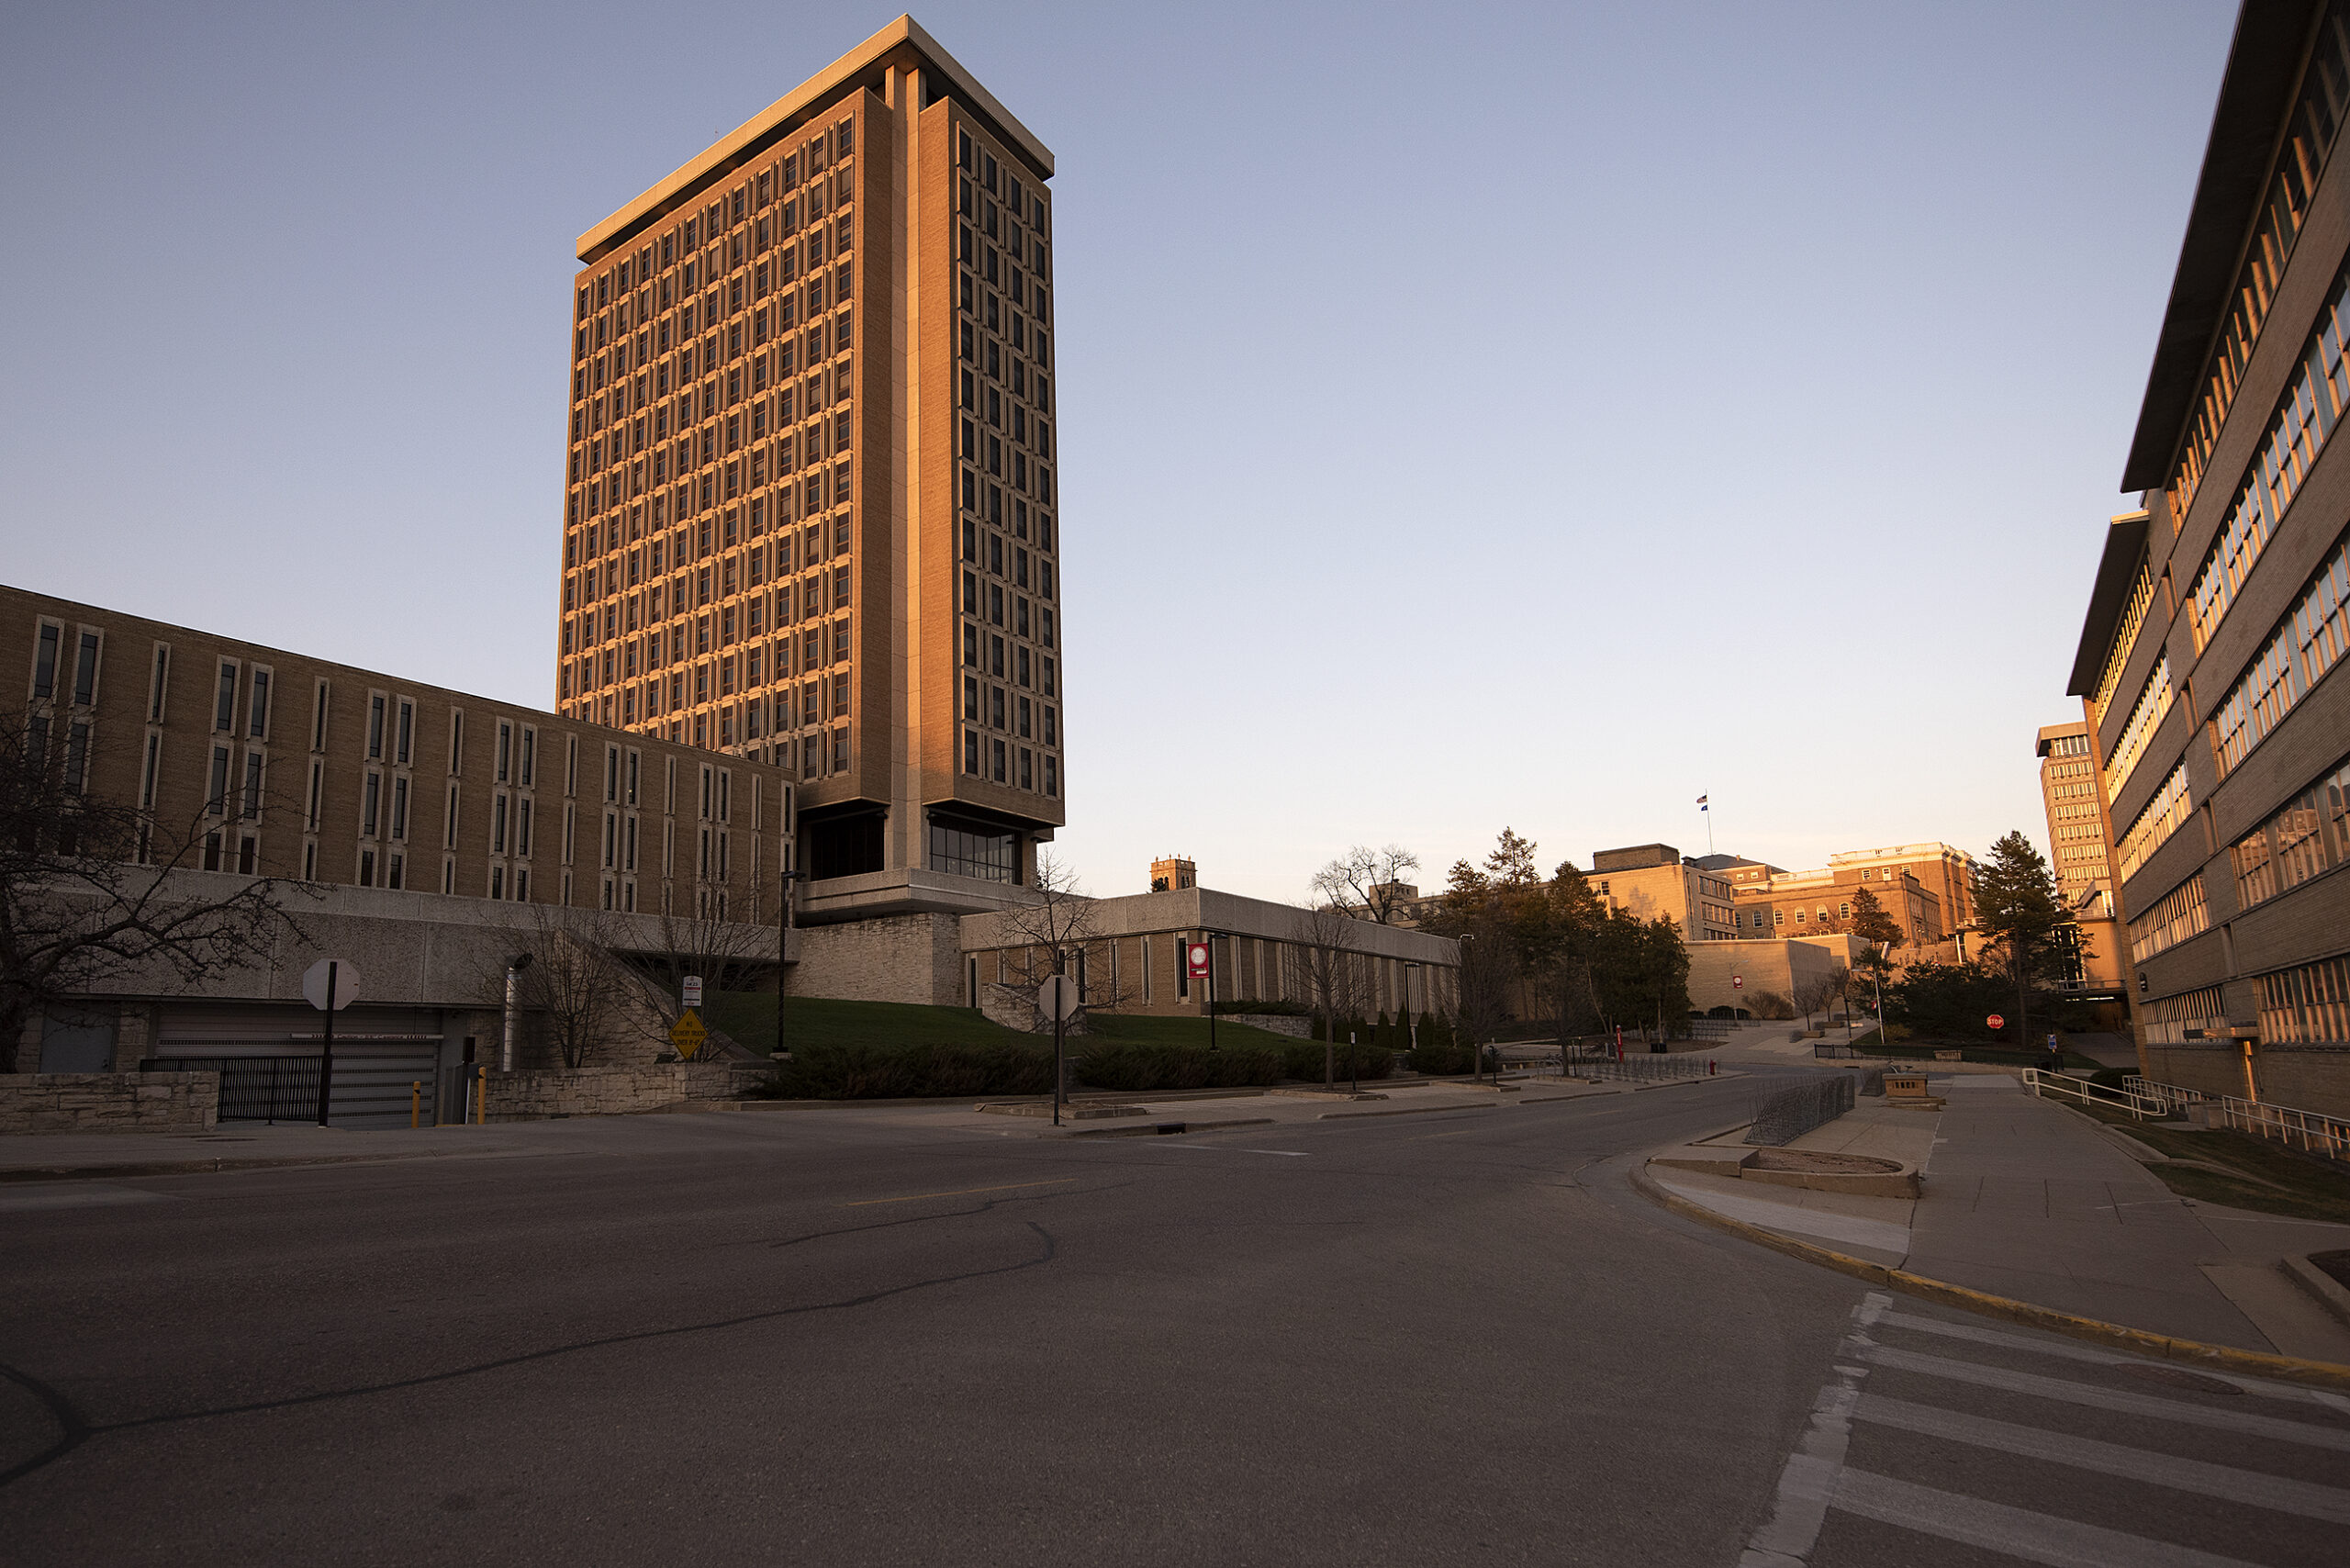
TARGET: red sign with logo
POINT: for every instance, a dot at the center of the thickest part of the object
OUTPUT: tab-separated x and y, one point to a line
1995	1022
1195	955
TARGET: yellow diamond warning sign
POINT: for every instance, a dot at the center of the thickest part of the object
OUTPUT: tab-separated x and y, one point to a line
687	1034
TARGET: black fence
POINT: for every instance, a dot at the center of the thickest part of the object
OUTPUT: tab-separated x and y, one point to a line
1642	1068
1785	1115
255	1089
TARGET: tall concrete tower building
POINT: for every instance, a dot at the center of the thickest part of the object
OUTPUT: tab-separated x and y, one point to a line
810	511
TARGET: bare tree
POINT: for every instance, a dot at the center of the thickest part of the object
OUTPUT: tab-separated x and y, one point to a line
1368	881
1813	992
93	889
1324	962
1058	933
576	993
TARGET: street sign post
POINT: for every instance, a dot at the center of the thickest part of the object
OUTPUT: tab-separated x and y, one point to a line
1198	960
1057	999
329	985
687	1034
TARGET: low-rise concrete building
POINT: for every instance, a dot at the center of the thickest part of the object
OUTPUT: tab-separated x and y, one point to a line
1131	957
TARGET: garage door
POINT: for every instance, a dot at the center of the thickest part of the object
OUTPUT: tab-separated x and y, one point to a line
385	1061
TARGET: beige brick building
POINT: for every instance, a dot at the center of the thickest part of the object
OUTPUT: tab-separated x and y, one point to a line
2080	852
1652	880
811	512
423	826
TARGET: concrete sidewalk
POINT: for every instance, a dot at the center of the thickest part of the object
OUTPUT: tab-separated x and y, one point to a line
255	1146
2025	1199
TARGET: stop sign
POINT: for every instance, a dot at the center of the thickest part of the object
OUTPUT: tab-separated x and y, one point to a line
1995	1022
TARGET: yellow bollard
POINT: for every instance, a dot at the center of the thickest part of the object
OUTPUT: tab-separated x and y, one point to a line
415	1098
481	1099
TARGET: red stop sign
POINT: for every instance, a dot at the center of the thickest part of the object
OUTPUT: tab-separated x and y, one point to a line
1995	1022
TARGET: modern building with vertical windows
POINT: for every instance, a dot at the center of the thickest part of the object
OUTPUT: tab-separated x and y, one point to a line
2080	856
2217	718
811	512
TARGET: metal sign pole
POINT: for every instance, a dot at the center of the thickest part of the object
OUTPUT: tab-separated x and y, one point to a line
325	1061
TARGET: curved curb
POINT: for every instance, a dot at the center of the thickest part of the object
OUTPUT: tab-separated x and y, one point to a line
2162	1346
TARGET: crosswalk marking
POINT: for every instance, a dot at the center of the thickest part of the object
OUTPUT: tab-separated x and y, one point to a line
2065	1350
2109	1399
2277	1493
1849	1463
2019	1532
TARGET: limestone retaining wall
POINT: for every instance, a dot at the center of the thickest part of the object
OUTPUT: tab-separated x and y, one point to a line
109	1102
613	1090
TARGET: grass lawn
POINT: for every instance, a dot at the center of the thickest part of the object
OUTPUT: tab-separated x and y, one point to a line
2264	1175
749	1017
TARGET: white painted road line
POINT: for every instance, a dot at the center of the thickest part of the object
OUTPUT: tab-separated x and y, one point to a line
2109	1399
2019	1532
1226	1148
2275	1493
2067	1349
1786	1537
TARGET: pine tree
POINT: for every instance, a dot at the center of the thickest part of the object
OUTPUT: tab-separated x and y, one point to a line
2017	907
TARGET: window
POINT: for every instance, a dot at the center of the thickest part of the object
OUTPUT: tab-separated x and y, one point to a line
2164	815
970	849
2177	915
45	661
2308	1006
2153	704
85	672
375	727
2308	640
224	711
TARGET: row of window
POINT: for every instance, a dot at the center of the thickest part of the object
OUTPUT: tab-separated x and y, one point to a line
2125	639
2153	706
2310	130
2178	914
2310	639
2307	1006
999	761
2306	835
804	164
2305	419
2164	815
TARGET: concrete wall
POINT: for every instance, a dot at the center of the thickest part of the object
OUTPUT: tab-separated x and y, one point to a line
1764	966
2293	1079
109	1102
898	958
612	1090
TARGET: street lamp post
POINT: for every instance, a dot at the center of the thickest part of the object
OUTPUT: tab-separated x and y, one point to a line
514	968
783	951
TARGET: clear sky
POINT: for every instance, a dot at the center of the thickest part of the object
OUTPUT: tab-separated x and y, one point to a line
1470	414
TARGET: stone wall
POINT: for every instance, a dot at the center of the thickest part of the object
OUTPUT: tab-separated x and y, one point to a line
613	1090
898	958
109	1102
1287	1024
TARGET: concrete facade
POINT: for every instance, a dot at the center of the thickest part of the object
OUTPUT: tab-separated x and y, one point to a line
810	504
1136	959
2208	661
1764	965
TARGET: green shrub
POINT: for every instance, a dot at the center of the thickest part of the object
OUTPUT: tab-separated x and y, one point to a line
1439	1057
1131	1067
1304	1062
825	1071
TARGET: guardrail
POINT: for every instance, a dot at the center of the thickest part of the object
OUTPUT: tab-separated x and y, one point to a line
2312	1130
2060	1086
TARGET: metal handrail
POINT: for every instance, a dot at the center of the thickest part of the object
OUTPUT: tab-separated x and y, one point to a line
2140	1106
2312	1130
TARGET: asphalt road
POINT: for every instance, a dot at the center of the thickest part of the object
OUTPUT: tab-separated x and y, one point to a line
829	1337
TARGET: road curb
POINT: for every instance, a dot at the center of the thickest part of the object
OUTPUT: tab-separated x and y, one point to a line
1413	1111
2162	1346
204	1167
1152	1128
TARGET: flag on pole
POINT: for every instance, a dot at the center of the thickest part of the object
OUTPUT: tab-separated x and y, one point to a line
1701	802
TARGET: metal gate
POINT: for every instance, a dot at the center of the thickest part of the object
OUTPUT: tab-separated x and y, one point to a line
269	1061
255	1089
